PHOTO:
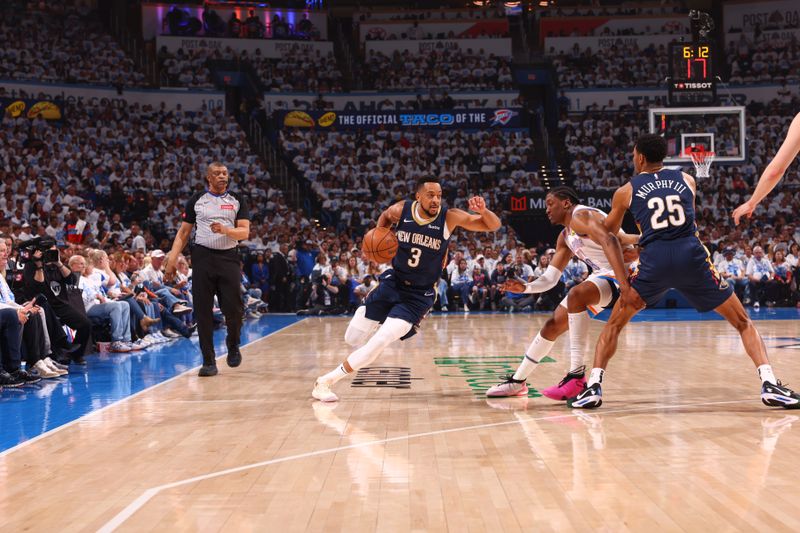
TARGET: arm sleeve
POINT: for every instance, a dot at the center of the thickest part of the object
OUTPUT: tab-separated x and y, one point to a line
545	282
189	216
243	213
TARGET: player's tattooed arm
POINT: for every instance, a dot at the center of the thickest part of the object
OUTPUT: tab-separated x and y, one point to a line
485	220
585	222
619	205
391	215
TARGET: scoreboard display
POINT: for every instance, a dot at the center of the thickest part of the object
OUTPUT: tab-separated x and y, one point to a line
692	78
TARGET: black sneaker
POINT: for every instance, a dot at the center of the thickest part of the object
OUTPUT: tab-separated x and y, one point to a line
779	396
588	398
9	380
77	360
207	371
26	377
234	358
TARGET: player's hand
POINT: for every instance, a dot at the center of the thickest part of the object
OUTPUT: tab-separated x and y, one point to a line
513	286
217	227
745	210
477	204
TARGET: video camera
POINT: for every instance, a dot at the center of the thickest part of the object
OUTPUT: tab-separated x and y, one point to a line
28	248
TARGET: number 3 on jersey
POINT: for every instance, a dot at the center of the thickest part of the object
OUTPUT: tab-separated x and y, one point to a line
676	216
415	255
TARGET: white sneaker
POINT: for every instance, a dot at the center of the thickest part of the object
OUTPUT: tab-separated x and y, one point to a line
120	347
323	392
51	365
44	371
140	344
159	337
169	334
180	309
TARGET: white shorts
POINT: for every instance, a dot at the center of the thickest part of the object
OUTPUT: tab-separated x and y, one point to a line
608	286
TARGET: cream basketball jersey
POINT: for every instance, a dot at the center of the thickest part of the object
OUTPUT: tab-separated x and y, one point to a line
585	248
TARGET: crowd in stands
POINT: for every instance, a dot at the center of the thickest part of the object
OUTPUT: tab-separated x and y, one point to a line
417	32
620	65
179	21
763	58
61	42
600	142
451	70
430	15
296	70
660	9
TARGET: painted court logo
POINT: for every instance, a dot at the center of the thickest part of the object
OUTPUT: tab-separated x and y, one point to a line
392	377
482	371
502	117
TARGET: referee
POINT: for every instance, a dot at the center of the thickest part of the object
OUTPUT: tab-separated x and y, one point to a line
222	219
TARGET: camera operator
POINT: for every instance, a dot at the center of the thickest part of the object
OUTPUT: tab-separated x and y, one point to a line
323	298
46	274
24	331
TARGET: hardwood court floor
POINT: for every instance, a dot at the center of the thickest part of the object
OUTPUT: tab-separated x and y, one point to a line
681	444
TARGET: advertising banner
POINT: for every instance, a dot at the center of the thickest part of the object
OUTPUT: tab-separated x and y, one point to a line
564	45
595	26
154	17
643	98
395	29
534	202
268	48
373	101
345	120
498	47
88	95
778	14
28	108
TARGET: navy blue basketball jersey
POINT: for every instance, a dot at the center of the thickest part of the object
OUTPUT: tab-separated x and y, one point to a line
422	247
663	206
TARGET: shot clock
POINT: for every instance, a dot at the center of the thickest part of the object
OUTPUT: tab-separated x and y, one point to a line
692	78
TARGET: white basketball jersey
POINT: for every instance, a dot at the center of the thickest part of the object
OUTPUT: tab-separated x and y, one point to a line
585	248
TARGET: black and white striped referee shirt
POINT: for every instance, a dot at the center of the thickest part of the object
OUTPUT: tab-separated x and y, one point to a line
205	208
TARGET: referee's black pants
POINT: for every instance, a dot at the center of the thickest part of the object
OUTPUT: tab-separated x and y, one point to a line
216	272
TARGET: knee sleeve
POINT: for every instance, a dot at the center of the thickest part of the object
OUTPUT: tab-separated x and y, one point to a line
360	328
390	331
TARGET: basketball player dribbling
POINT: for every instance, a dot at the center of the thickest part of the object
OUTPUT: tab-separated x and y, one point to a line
585	237
774	171
671	256
406	291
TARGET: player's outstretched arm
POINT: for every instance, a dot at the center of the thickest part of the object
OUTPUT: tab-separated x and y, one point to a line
391	215
585	222
551	275
485	220
774	171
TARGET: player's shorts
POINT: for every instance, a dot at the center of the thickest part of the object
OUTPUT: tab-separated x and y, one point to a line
607	285
684	265
393	299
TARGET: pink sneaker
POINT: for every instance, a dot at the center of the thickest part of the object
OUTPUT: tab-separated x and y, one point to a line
569	387
510	387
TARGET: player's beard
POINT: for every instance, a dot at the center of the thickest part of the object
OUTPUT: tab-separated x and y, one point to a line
428	213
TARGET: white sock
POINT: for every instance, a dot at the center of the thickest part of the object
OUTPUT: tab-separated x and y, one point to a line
766	375
596	376
539	348
334	375
578	329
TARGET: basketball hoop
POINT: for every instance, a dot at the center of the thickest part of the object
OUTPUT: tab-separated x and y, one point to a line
702	162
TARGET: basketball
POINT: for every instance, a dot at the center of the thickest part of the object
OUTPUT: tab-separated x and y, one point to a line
379	245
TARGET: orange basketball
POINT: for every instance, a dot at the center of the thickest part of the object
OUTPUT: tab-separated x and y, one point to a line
379	245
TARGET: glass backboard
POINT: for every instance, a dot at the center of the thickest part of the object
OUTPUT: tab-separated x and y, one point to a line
716	129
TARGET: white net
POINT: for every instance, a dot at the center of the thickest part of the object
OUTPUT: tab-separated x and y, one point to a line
702	162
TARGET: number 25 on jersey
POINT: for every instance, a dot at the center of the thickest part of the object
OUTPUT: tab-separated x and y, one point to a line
674	215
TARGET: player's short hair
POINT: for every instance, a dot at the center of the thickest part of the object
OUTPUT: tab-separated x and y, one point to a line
652	146
562	192
427	179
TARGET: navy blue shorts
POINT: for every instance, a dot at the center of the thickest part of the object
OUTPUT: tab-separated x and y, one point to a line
684	265
392	299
